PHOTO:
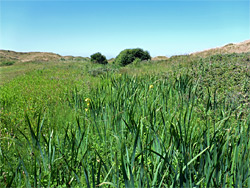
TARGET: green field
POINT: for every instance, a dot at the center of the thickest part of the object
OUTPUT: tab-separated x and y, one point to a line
182	122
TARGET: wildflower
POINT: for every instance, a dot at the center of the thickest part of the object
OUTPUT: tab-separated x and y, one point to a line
86	109
151	87
87	100
88	104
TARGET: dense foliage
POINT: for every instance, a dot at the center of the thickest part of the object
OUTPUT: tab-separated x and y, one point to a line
180	126
6	63
129	55
98	58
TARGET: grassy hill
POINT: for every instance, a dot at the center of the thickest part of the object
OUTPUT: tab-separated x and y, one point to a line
13	63
8	55
176	122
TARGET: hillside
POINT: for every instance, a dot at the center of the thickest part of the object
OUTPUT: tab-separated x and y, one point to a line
241	47
8	55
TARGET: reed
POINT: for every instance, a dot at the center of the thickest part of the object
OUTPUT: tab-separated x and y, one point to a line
134	131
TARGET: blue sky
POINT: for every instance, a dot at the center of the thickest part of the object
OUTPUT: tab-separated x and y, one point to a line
85	27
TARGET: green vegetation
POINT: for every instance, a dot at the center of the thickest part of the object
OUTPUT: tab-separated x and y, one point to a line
130	55
99	58
6	63
182	122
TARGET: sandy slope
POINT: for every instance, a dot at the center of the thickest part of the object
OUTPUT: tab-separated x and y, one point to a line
33	56
229	48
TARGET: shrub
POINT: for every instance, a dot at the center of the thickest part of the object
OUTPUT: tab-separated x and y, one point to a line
217	57
98	58
127	56
136	61
7	63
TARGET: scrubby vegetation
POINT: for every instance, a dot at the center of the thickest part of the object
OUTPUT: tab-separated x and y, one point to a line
98	58
130	55
6	63
183	122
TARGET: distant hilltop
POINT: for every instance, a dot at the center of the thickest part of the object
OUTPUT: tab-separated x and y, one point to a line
48	56
36	56
241	47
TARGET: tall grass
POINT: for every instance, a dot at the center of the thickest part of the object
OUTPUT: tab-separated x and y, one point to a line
134	131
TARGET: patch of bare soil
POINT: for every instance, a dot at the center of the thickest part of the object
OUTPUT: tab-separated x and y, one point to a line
158	58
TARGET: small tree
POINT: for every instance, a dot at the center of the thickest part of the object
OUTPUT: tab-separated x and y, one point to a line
98	58
129	55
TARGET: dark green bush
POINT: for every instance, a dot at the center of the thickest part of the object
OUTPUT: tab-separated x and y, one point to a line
127	56
98	58
7	63
217	57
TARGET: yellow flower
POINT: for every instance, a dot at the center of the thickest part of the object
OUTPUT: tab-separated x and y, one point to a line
86	109
87	100
151	87
88	104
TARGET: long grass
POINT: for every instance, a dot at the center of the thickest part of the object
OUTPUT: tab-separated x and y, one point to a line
133	131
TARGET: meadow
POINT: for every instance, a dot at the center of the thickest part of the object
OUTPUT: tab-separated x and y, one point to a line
181	122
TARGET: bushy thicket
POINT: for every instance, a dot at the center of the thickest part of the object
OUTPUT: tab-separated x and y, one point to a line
98	58
127	56
6	63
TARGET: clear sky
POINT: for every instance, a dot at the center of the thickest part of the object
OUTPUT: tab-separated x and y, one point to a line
84	27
